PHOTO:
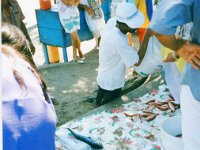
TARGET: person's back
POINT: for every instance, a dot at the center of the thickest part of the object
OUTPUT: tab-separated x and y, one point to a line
29	119
115	54
113	60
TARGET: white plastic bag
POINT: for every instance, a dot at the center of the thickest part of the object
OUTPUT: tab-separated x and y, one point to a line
172	78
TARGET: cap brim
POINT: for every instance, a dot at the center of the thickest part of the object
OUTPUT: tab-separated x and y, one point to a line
136	21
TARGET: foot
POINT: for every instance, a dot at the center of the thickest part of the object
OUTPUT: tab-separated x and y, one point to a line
80	61
96	48
83	58
134	73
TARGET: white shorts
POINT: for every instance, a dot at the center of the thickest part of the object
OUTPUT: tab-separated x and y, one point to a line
97	33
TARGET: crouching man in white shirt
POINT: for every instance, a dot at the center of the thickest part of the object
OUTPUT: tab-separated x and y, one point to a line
115	54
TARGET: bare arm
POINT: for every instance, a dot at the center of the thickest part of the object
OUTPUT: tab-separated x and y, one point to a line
88	9
143	48
185	49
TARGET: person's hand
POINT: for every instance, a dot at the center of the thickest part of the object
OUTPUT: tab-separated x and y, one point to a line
32	47
171	57
195	60
149	32
89	10
191	53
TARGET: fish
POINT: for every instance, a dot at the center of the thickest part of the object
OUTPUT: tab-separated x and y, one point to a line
160	103
140	117
150	101
150	107
149	112
163	107
151	117
87	140
129	114
170	99
133	118
171	106
146	114
177	106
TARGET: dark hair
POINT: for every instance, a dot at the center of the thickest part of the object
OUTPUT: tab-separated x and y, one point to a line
122	23
124	27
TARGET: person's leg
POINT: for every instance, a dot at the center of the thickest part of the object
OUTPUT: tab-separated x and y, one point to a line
96	43
73	40
78	45
111	95
97	37
100	95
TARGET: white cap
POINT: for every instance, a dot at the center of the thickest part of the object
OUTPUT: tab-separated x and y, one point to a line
129	14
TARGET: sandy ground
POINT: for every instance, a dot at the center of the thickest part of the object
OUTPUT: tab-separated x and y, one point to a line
69	83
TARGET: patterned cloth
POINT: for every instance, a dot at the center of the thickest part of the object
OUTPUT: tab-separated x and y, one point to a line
95	21
118	132
13	15
69	17
96	7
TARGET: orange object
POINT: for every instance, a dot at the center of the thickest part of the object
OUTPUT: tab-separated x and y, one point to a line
141	33
45	4
54	56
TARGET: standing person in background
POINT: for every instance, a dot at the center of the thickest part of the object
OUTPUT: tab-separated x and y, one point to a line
116	55
29	119
11	13
70	20
113	6
166	18
94	17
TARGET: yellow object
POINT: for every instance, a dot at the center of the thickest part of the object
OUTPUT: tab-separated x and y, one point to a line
130	42
54	56
180	62
141	5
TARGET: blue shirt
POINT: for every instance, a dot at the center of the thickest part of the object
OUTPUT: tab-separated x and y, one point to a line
29	121
166	18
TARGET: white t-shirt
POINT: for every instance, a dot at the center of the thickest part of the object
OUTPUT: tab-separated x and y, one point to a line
115	55
93	24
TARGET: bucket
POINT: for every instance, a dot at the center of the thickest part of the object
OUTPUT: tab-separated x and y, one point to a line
53	53
45	4
170	129
152	60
